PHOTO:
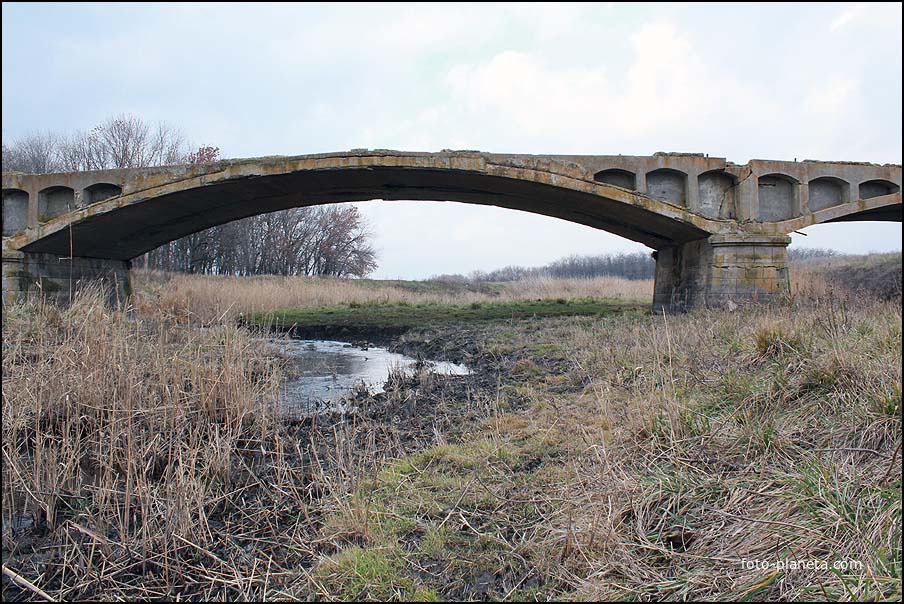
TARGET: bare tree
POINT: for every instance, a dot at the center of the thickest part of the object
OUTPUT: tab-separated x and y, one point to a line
124	141
36	153
636	265
300	241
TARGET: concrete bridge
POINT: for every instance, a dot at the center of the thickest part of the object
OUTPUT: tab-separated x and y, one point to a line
720	230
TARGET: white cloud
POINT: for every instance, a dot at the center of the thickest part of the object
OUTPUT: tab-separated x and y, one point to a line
520	97
850	14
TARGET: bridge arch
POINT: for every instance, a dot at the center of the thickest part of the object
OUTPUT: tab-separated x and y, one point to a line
718	194
618	177
668	184
164	206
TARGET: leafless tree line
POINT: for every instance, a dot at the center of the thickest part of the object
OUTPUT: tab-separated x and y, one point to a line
320	240
323	240
636	265
124	141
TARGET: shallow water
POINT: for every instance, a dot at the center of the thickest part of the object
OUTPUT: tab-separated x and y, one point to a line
325	370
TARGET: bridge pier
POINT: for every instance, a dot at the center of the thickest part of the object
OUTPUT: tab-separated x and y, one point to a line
27	275
721	269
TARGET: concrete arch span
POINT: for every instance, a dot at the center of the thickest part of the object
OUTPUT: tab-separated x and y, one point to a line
706	252
186	201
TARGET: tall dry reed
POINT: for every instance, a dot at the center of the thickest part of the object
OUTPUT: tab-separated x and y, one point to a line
140	459
214	298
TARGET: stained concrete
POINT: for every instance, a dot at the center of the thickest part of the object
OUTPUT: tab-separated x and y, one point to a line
668	185
718	195
619	178
826	192
15	211
57	279
705	216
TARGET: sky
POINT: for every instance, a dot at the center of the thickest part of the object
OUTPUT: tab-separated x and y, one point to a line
773	81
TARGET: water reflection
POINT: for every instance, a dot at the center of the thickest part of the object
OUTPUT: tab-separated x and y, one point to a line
325	370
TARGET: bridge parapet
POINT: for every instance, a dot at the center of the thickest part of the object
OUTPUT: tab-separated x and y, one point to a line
761	191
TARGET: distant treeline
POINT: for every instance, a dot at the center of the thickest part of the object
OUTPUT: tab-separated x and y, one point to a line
796	254
634	265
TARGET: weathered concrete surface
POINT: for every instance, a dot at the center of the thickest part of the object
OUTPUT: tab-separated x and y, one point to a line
58	279
686	206
719	269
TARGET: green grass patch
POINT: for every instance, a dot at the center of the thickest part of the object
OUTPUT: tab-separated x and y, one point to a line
408	316
359	574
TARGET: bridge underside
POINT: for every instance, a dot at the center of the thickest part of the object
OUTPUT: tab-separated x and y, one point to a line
890	213
133	230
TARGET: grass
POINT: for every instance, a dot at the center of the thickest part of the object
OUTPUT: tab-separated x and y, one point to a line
661	480
211	299
401	317
850	277
139	457
588	457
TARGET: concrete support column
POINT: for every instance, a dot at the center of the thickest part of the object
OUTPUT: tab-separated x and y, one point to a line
13	267
57	279
720	269
692	192
32	209
803	200
641	186
748	198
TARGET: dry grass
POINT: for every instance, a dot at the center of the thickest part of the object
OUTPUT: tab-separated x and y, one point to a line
140	460
210	299
642	457
847	277
768	435
650	458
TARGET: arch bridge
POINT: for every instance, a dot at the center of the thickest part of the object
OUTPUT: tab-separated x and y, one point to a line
719	229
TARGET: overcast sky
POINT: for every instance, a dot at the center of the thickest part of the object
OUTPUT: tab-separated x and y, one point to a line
812	81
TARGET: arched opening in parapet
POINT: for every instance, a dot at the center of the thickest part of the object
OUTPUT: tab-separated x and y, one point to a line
877	188
619	178
826	192
54	201
99	192
15	211
668	185
778	197
718	194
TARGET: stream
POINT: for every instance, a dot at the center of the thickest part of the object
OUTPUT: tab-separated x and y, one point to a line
325	370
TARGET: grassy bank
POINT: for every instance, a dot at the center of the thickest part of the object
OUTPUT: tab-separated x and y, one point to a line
357	320
848	277
210	299
603	456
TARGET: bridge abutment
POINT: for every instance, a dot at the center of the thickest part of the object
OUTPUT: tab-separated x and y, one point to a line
721	269
27	275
